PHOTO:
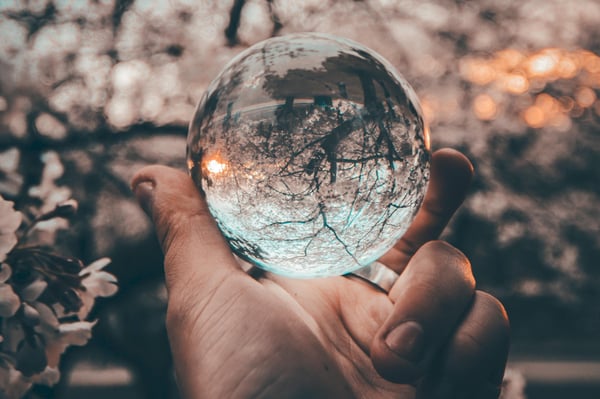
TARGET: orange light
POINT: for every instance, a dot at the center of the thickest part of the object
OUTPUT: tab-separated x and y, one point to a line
595	78
567	67
215	167
485	107
585	97
547	103
508	59
478	71
427	136
534	116
591	61
542	64
515	83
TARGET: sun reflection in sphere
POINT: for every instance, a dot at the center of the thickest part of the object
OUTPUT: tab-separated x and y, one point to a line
214	166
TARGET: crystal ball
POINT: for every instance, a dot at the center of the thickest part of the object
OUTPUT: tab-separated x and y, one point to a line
312	153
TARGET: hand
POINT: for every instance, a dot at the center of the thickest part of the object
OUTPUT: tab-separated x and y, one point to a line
234	335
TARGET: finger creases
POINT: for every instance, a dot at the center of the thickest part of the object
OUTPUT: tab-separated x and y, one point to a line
430	298
193	245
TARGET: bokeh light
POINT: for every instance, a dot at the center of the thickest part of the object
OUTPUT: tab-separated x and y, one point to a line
485	107
520	73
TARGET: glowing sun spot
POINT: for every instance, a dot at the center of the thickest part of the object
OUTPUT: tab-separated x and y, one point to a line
214	166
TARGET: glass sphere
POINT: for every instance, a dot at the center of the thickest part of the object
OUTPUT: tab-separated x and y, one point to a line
312	153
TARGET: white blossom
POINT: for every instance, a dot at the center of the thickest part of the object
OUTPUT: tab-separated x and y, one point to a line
51	195
10	220
77	333
97	283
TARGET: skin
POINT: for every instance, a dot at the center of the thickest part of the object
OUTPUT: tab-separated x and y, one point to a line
259	335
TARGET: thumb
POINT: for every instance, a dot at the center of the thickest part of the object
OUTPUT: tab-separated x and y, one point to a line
197	256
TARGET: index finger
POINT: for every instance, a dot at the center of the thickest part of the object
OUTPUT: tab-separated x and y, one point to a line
451	174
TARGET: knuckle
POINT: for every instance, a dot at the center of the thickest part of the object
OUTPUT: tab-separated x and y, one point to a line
442	250
451	263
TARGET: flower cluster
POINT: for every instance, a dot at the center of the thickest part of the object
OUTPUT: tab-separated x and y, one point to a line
45	299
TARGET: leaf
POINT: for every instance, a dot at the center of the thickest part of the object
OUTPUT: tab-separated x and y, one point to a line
10	220
70	300
62	264
13	334
31	357
9	301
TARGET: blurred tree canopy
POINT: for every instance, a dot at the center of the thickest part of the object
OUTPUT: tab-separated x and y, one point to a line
92	90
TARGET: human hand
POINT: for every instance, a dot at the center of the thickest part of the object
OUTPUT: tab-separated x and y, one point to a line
234	335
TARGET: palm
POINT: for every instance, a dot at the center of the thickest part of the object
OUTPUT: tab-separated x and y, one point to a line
233	335
344	314
291	329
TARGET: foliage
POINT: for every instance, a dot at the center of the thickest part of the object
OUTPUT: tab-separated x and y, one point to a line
44	301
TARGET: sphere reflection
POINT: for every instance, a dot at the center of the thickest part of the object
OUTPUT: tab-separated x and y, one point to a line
312	153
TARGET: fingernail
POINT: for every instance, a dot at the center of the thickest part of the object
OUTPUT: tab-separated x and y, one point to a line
407	341
144	192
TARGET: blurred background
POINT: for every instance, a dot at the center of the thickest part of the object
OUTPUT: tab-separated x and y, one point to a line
90	91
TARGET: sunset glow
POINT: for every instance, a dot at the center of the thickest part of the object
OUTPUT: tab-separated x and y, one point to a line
517	73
